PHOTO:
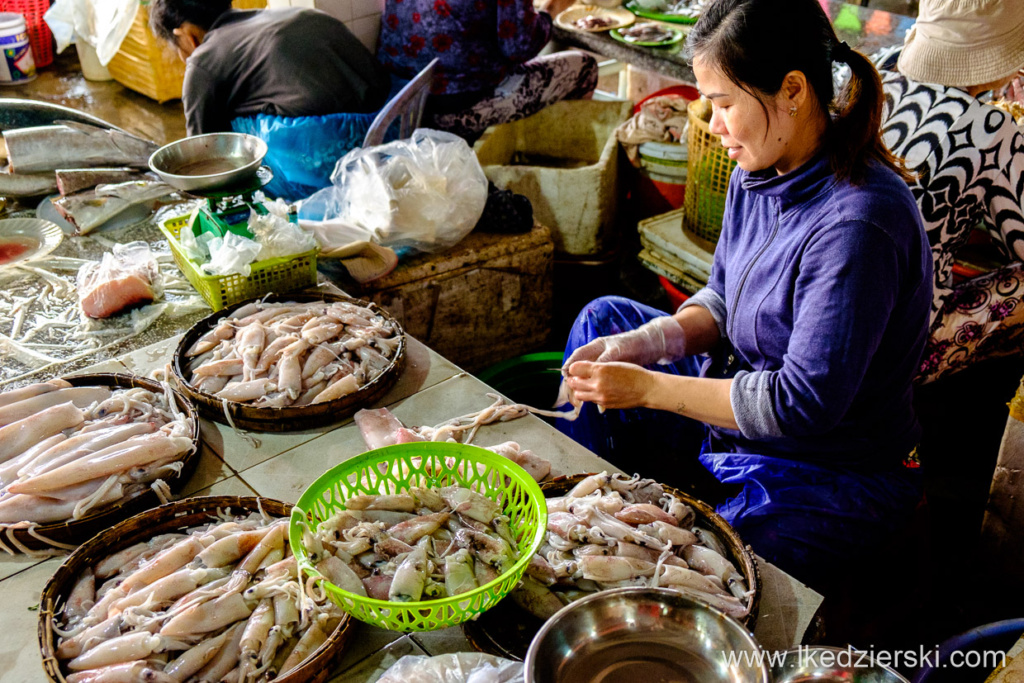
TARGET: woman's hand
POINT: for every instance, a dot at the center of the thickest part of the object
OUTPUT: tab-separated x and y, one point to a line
661	340
609	384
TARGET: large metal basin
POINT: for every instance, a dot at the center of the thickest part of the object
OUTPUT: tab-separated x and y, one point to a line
643	635
205	163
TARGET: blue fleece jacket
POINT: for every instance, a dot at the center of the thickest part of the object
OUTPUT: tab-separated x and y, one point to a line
821	291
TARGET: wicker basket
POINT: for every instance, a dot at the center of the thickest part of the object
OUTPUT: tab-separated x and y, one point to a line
146	64
142	527
249	4
708	171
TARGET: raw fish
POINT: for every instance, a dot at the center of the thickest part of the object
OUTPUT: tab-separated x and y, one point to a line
73	145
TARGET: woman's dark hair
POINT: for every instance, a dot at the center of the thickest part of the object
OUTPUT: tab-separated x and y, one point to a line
167	15
755	43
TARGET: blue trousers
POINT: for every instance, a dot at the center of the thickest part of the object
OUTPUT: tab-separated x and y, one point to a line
810	519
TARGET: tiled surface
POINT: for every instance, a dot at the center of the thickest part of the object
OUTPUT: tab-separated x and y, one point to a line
20	660
430	391
367	30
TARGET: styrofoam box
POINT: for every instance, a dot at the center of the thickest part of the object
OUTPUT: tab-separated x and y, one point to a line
565	160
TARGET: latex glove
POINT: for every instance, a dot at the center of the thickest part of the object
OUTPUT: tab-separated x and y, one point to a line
609	385
661	340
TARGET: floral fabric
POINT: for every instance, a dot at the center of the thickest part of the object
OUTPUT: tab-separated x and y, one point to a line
477	42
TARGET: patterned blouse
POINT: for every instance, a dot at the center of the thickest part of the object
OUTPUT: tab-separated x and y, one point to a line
477	41
970	161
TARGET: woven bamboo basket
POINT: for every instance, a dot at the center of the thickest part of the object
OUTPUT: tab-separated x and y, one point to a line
146	64
289	418
74	532
165	519
249	4
708	171
506	630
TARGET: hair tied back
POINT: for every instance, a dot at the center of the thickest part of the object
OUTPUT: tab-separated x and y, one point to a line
841	52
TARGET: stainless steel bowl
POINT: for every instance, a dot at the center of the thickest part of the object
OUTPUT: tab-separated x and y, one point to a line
209	162
643	635
831	665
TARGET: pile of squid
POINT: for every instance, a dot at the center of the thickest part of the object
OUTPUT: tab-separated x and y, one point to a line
612	531
66	451
423	544
293	354
219	602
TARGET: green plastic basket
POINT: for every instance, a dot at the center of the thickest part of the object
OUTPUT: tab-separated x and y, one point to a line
276	275
430	465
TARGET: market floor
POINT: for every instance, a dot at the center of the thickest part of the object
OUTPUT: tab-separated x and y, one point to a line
927	586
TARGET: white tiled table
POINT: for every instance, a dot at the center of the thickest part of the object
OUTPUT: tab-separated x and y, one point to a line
282	465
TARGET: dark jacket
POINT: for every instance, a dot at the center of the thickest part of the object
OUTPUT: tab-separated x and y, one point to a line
282	62
821	290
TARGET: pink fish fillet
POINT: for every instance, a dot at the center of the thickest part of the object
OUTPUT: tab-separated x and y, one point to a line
115	295
380	428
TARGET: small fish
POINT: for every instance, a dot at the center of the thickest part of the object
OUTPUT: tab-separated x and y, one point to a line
26	184
89	210
74	145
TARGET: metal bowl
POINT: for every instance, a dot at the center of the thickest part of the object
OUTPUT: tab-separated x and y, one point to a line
831	665
209	162
643	634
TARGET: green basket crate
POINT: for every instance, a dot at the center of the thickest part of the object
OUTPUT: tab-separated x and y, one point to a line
277	275
431	465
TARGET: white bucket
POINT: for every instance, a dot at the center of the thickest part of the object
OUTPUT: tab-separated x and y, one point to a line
91	67
16	63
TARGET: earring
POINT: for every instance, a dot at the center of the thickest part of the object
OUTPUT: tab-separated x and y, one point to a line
792	111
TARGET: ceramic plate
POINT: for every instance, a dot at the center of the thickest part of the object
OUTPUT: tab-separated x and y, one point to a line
618	16
639	11
24	239
676	36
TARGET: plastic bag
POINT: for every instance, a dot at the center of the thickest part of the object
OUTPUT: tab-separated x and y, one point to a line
231	255
102	23
460	667
277	236
126	277
427	193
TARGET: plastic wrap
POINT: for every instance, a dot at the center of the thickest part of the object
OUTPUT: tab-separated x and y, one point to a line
103	24
426	193
460	667
231	255
126	277
277	236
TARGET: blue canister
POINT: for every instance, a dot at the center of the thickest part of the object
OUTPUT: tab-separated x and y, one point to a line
17	65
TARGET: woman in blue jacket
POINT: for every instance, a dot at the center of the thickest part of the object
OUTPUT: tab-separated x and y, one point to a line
814	318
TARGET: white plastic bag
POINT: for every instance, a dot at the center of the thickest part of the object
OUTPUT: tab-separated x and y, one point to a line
277	236
126	277
231	255
427	193
102	23
460	667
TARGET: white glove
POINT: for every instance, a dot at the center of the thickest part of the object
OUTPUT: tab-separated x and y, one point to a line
661	341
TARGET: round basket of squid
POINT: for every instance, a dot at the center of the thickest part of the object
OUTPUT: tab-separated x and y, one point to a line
284	363
192	590
81	453
419	536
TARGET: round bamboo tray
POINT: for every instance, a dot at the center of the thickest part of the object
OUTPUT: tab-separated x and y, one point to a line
74	532
189	512
289	418
506	630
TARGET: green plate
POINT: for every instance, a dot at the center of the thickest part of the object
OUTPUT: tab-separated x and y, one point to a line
677	36
636	9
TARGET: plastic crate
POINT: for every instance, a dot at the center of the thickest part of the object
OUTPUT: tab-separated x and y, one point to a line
276	275
39	35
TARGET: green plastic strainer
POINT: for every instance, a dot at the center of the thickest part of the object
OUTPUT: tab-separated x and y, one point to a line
393	470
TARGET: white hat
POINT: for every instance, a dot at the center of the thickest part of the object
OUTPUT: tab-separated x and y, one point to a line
960	43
